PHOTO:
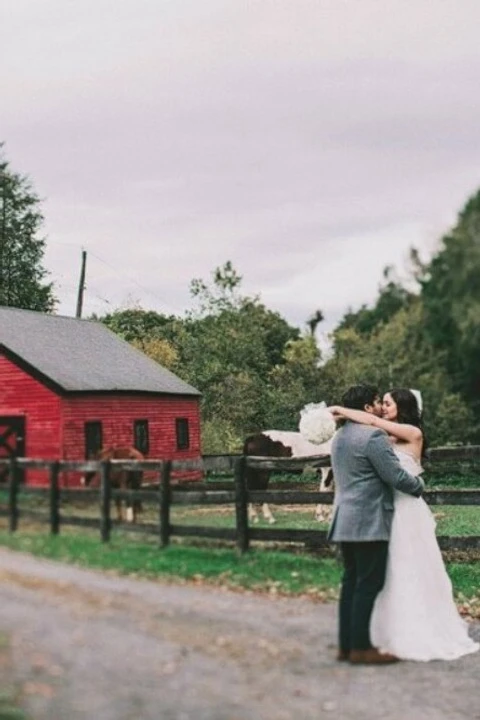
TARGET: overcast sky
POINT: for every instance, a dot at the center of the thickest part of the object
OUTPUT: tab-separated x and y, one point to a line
310	142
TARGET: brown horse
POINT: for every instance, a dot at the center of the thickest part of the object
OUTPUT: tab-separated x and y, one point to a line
119	478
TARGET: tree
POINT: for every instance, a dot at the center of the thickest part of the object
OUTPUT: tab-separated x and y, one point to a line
228	349
400	354
22	275
139	325
221	295
392	297
159	350
451	296
315	320
293	383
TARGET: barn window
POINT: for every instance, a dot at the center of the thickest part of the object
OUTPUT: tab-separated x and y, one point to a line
183	434
93	438
141	440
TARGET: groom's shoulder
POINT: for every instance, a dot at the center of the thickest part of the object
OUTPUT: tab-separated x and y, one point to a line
356	434
360	431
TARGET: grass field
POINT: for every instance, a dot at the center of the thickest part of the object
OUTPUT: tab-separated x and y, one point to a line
287	570
453	520
267	571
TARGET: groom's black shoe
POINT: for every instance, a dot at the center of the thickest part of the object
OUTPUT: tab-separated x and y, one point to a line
371	657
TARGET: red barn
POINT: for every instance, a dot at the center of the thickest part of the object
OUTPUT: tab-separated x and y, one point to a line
70	386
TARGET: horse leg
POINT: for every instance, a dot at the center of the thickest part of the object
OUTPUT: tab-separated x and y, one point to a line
322	511
252	513
137	507
133	482
131	510
267	513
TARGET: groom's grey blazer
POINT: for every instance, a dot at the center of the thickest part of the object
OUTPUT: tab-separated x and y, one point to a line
366	471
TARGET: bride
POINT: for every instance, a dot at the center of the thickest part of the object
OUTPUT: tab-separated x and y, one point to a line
414	617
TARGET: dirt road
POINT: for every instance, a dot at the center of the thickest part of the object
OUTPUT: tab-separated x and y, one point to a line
86	644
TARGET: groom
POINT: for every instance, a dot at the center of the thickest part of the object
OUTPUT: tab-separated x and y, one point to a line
366	471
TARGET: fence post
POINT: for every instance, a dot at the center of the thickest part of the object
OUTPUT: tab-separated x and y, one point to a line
54	498
241	509
165	500
105	495
12	496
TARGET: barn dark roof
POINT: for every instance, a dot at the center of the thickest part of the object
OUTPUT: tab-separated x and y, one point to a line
82	355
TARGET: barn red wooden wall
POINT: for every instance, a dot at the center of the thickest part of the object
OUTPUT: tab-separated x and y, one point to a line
117	415
55	424
21	394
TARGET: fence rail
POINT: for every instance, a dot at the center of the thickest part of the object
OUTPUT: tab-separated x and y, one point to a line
166	494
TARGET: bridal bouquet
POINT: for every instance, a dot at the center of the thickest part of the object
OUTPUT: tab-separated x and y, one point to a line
316	423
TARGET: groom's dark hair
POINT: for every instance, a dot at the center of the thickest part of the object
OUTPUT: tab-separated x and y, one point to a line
357	396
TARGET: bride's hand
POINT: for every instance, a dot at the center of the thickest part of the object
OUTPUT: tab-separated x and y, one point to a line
336	411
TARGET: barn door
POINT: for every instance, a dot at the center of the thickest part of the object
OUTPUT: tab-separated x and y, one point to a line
12	441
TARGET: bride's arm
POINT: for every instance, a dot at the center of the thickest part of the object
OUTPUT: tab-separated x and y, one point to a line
402	431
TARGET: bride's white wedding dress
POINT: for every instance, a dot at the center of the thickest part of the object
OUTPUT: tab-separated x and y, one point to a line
415	617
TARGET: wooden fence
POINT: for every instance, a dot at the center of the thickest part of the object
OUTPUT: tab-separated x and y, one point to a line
167	494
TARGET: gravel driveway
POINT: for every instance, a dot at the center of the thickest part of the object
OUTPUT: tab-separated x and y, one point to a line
86	644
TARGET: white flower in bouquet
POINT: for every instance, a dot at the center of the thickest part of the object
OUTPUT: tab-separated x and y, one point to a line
316	423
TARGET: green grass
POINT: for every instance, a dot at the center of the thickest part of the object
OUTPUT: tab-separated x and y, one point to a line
457	519
294	517
453	476
465	578
280	571
451	519
261	569
264	570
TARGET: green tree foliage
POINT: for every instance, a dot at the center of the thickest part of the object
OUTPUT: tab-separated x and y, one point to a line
230	345
154	334
314	320
256	371
452	421
451	297
159	350
221	294
392	297
136	324
22	275
220	438
399	354
293	383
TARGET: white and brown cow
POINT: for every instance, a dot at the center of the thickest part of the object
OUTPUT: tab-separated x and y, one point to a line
282	443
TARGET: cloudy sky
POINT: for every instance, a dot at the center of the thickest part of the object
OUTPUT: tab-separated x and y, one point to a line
310	142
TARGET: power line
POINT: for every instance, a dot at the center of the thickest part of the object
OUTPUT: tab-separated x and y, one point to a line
132	280
67	244
120	273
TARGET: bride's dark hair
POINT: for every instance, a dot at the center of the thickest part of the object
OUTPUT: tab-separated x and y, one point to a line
407	410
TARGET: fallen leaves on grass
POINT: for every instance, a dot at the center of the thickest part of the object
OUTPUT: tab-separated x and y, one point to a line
469	608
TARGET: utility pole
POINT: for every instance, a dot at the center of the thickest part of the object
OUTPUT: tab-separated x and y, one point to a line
81	285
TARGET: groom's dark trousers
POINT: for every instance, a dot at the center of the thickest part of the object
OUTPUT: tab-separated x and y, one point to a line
365	566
